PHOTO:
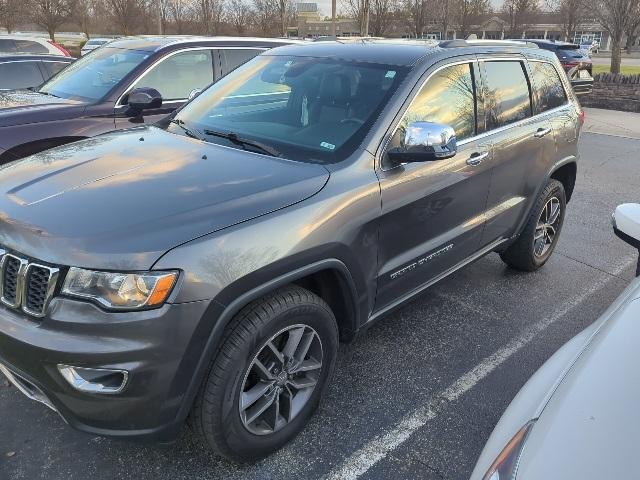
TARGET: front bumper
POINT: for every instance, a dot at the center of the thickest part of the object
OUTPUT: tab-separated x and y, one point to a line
158	348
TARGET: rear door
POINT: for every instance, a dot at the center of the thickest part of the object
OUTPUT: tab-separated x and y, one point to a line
231	58
551	101
521	141
433	212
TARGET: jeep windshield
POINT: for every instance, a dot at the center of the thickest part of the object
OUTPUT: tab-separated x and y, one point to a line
91	77
301	108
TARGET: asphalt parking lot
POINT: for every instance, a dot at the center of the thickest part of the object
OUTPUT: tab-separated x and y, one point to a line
418	394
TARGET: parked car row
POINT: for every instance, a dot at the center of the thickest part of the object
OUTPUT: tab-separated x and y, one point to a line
125	83
204	260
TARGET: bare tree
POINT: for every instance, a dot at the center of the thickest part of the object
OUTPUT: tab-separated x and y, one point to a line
382	15
468	12
179	11
239	15
444	11
11	13
418	12
570	14
616	17
633	31
209	12
266	16
124	14
360	11
50	14
84	14
286	11
518	13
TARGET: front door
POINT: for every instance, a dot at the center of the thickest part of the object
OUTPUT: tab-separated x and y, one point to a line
433	212
176	76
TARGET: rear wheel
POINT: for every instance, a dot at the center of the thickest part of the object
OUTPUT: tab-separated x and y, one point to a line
269	376
540	235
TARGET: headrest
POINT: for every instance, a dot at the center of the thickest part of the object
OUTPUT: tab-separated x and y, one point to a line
334	88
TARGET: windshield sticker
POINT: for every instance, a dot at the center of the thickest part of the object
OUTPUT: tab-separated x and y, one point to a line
328	146
390	74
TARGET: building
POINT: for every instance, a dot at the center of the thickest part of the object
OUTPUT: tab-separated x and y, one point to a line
541	25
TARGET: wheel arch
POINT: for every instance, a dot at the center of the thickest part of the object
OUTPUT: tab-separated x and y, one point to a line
330	279
566	174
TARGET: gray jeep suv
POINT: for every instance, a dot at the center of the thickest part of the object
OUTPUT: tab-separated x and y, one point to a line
206	267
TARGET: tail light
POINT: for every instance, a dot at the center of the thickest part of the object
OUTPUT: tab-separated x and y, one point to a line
570	65
581	117
64	51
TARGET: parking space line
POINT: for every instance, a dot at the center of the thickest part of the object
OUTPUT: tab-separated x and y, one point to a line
379	447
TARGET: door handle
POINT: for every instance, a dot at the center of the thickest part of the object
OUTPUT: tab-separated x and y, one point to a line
477	158
541	132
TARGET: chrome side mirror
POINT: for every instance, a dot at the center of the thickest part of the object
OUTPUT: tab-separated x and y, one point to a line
425	142
626	225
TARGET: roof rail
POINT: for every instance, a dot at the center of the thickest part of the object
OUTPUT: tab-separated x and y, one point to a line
458	43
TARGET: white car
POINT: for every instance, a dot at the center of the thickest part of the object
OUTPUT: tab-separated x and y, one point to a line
577	417
34	45
94	43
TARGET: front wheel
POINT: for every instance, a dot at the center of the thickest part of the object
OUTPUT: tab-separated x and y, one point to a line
541	232
269	376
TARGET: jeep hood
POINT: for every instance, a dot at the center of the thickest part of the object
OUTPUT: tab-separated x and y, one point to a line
25	106
120	200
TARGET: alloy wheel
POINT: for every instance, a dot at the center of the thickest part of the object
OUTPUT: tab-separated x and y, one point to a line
547	227
280	379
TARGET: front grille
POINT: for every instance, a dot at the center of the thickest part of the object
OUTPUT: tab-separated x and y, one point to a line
36	288
10	279
26	285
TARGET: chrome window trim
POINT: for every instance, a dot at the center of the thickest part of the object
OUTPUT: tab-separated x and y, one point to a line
54	273
160	60
19	280
482	135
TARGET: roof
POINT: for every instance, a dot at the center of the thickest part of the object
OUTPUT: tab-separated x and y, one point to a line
152	43
6	56
400	52
389	52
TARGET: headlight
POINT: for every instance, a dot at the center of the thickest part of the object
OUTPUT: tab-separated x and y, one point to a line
120	290
505	467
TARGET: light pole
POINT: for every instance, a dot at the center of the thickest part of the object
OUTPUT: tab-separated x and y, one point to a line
333	17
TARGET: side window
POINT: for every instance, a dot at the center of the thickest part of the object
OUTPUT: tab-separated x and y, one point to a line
507	98
28	46
448	97
19	75
53	67
7	45
234	57
550	92
176	76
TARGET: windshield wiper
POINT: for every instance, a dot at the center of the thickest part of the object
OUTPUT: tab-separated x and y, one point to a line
182	125
243	142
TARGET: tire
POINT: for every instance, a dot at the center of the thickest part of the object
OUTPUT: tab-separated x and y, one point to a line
245	364
526	253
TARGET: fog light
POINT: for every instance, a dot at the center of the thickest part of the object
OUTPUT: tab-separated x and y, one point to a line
94	380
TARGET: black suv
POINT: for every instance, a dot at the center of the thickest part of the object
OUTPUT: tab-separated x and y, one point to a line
128	82
206	267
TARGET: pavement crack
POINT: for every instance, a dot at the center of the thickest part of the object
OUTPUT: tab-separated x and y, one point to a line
592	266
434	470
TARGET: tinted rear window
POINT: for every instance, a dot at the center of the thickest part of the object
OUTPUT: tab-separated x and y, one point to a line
507	98
19	75
7	45
27	46
548	86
